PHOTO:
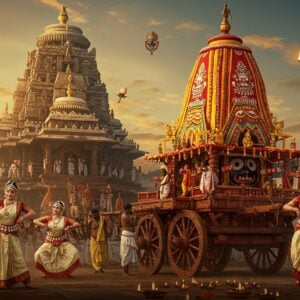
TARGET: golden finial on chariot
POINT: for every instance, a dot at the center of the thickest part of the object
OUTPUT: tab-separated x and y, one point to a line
63	16
225	25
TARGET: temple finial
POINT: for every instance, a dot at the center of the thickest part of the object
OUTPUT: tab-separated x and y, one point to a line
225	26
63	16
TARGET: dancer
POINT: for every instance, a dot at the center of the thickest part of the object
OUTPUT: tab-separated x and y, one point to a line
12	264
294	205
57	257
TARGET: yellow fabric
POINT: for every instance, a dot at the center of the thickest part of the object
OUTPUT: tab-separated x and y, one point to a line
99	253
12	263
56	259
295	250
101	232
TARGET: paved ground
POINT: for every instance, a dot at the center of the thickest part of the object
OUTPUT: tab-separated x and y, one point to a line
113	285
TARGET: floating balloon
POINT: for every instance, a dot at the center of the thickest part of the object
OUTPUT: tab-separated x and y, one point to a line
152	42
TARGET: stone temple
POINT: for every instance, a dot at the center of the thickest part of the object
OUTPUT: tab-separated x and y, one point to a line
61	131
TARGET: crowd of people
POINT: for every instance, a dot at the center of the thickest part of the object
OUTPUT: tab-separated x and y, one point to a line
58	244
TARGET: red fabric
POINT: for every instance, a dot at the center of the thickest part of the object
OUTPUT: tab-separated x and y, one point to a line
60	274
25	277
187	177
296	274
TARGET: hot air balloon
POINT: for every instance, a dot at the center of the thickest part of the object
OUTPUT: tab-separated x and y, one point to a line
152	41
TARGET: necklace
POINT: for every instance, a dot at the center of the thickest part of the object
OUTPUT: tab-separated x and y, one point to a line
56	221
7	203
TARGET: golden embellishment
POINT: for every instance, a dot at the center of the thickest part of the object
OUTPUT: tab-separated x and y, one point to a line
6	213
56	221
247	140
225	25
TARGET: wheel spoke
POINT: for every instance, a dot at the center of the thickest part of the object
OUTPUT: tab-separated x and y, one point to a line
183	226
178	257
258	257
193	238
179	230
192	255
253	253
269	258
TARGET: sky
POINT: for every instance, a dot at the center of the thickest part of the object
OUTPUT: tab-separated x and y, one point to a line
156	83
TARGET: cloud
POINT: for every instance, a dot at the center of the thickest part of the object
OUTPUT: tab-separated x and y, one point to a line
276	104
152	90
155	22
4	92
292	83
290	54
293	128
171	99
275	43
289	51
189	26
116	15
139	83
74	15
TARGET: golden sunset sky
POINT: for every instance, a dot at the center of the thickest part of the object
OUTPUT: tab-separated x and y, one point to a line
156	83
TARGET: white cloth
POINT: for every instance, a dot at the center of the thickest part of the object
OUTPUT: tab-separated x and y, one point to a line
164	188
128	248
208	181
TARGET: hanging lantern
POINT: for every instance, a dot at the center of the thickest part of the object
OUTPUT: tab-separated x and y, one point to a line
152	42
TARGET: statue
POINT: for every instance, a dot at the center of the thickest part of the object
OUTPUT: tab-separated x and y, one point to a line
219	138
247	140
169	131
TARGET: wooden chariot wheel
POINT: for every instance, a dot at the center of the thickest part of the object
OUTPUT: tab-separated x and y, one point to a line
151	242
187	243
217	258
266	260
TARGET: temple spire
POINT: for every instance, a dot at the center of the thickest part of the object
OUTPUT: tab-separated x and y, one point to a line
63	16
225	25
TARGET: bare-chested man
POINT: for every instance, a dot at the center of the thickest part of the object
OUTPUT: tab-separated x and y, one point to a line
98	226
128	248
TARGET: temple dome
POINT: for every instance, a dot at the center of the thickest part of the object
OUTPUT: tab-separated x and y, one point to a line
59	34
69	103
225	93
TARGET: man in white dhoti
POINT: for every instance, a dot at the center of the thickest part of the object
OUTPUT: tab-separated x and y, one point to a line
128	247
164	188
208	180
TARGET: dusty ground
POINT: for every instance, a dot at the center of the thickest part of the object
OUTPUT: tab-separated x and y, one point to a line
113	285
